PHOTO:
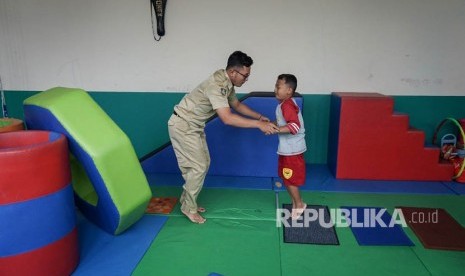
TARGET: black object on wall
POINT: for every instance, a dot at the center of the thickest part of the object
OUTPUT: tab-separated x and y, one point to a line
158	7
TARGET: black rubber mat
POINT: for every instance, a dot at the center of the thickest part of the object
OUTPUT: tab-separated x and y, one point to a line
310	231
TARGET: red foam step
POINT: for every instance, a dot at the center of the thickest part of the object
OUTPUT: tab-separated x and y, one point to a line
399	121
374	143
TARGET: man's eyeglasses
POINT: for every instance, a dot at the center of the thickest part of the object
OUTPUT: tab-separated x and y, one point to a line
245	76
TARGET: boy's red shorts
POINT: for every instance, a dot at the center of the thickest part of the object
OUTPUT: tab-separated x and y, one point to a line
292	169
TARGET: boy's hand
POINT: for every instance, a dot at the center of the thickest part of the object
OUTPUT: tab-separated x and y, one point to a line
268	128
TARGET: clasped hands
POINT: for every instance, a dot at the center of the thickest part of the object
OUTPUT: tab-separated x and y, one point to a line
268	127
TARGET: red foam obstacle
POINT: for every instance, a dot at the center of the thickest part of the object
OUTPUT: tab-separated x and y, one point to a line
38	233
368	141
10	124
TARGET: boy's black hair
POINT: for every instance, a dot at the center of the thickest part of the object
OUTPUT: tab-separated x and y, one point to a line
290	80
239	59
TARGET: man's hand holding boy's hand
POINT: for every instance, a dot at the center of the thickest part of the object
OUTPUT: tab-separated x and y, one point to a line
268	127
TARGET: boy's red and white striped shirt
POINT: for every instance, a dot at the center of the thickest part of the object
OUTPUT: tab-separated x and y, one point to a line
290	113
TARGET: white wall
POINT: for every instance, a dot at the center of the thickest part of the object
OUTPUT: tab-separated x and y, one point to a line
396	47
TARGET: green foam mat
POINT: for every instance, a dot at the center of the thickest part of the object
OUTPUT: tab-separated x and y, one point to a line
223	246
349	260
352	259
227	203
240	237
441	262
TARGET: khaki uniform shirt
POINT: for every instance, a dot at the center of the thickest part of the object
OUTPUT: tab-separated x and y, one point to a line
200	104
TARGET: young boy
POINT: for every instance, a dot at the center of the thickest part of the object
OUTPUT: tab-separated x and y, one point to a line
291	133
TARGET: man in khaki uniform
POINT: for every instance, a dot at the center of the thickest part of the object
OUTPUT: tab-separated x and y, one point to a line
186	126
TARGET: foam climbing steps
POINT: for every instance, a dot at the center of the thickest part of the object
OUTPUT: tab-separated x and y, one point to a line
110	187
368	140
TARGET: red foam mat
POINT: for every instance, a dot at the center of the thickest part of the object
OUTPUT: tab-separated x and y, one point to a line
435	228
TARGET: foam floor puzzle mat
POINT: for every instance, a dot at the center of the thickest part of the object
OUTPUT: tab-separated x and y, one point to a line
435	228
104	254
221	245
161	205
368	230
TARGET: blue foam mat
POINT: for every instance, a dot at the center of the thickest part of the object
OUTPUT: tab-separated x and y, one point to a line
248	153
101	252
164	179
214	181
458	188
238	182
319	178
368	231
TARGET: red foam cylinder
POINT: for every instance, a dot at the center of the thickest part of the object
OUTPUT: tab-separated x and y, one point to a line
12	125
35	165
58	258
26	157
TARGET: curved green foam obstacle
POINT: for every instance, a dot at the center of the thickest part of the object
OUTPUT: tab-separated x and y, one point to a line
110	187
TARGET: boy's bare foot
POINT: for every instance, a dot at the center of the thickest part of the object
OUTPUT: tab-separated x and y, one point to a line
297	212
195	218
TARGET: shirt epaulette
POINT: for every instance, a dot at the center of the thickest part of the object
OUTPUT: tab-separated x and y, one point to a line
222	79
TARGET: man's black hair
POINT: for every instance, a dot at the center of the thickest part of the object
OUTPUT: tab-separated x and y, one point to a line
239	59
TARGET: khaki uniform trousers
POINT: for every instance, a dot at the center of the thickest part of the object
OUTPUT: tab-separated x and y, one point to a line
190	146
